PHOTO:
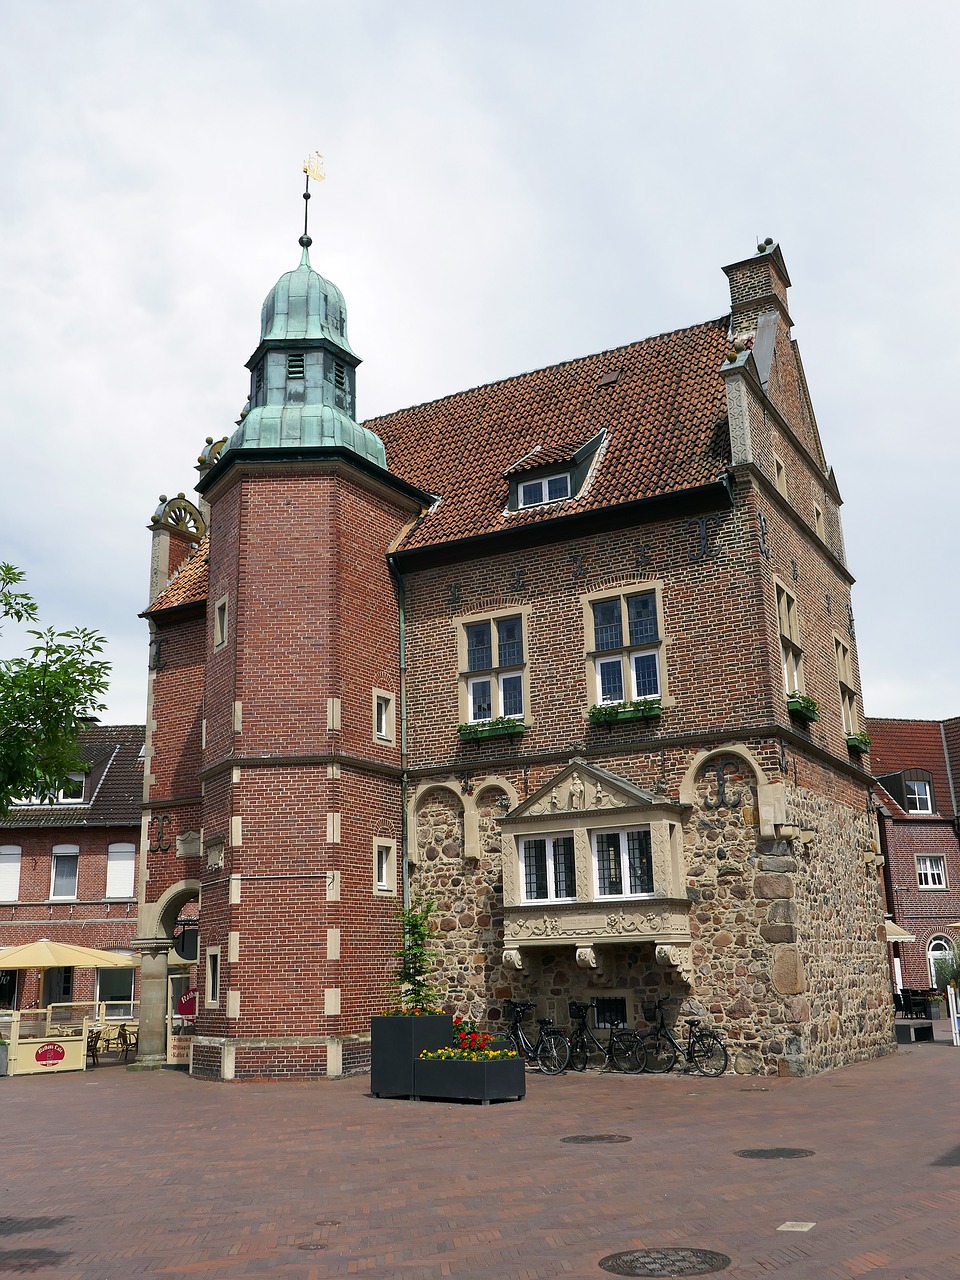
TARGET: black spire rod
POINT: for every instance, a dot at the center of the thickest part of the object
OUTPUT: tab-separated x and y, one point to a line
312	168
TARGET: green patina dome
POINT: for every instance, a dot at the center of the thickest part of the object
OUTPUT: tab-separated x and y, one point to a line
303	373
304	305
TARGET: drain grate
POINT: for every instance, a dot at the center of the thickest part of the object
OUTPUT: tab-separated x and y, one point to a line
328	1222
584	1139
311	1248
665	1262
775	1153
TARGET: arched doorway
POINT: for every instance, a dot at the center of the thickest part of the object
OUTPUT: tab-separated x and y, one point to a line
938	948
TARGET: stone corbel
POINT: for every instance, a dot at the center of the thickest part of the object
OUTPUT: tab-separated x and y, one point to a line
513	958
587	958
676	957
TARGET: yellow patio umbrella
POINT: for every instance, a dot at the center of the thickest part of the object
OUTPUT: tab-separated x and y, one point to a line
44	954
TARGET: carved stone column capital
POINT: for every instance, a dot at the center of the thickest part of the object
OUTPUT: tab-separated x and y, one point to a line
676	957
513	958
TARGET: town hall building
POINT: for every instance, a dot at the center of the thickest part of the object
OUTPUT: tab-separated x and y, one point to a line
570	655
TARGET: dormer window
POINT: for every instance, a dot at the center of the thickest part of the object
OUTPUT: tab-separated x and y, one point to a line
534	493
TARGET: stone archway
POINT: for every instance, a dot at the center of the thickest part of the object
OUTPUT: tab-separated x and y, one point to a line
155	941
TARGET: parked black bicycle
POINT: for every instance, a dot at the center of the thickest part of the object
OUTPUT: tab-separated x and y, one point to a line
550	1052
704	1051
623	1049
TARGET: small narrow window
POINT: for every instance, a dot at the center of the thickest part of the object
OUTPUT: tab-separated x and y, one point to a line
258	378
220	624
818	521
780	475
384	863
295	365
339	376
212	994
384	728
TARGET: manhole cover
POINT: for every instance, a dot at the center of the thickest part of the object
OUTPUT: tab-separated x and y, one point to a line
665	1262
585	1138
775	1153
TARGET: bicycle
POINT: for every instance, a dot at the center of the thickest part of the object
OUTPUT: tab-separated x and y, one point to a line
550	1053
704	1051
624	1048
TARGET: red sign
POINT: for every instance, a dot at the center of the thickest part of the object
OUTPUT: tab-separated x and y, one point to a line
50	1053
187	1004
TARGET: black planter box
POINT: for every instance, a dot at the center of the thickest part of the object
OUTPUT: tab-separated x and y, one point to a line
460	1081
395	1045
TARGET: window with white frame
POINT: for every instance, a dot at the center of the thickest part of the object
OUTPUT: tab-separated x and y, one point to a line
931	872
63	878
623	862
547	868
384	716
848	695
919	795
9	873
626	647
534	493
790	646
212	988
493	672
121	859
384	866
70	791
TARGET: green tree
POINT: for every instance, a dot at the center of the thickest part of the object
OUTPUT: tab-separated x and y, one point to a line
44	697
417	956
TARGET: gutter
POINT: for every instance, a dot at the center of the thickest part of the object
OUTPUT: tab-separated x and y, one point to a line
404	777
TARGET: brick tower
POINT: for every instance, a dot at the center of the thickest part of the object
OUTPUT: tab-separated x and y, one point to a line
300	739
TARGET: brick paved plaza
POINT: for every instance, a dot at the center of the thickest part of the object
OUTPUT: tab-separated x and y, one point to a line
112	1174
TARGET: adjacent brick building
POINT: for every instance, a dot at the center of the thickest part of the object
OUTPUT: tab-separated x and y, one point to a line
68	868
571	654
916	763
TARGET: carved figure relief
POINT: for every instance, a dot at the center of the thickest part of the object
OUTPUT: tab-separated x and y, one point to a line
577	792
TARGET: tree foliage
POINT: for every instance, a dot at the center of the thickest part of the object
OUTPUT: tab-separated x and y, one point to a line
417	956
44	697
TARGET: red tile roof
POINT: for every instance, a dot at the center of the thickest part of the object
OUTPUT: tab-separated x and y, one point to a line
911	744
114	787
662	418
190	584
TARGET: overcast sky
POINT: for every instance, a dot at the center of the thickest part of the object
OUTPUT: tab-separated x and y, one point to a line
509	184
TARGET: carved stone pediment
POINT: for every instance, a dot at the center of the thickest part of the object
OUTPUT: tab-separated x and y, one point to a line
585	788
583	925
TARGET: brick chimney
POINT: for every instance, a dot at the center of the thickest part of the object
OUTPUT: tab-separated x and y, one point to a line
757	284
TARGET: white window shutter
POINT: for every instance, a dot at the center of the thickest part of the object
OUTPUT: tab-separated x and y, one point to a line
9	873
120	867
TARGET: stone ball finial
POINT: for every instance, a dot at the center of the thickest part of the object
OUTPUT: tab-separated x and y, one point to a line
305	242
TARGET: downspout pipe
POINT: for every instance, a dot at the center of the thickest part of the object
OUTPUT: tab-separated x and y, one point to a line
404	781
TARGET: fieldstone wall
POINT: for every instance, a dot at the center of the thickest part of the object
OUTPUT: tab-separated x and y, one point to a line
788	958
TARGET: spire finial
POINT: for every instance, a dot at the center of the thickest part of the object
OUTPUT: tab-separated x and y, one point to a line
312	168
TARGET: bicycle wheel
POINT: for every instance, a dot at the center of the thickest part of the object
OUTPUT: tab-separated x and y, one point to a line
708	1053
517	1045
553	1052
661	1055
579	1051
628	1052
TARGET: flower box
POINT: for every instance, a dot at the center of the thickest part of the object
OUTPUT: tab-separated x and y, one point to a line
802	707
458	1080
611	712
858	742
395	1046
503	727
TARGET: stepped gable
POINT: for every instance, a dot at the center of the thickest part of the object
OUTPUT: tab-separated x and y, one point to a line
664	415
188	587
